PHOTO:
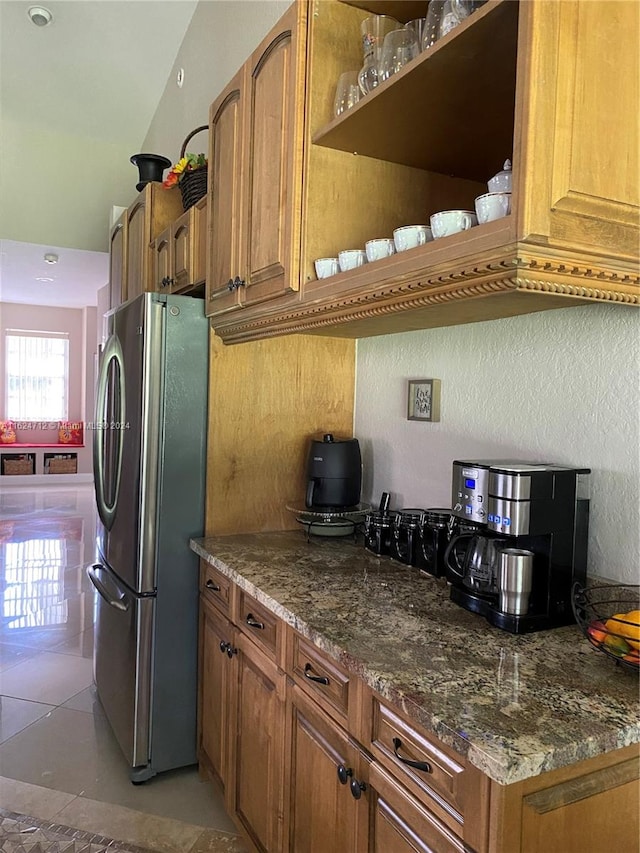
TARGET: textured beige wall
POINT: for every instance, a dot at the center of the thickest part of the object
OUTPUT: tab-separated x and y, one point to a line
558	386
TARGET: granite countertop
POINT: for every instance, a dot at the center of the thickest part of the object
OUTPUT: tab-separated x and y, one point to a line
514	706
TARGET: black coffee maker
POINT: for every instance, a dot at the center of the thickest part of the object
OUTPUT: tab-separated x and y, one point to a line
334	473
525	541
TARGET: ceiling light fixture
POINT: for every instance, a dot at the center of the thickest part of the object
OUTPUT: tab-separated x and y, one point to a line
43	278
39	16
51	258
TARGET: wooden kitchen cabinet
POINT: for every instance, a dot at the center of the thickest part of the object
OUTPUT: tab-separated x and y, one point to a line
179	252
498	86
310	766
321	813
117	254
154	209
241	710
255	182
216	676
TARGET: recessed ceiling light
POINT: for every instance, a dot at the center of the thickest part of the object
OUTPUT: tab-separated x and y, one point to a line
51	258
39	16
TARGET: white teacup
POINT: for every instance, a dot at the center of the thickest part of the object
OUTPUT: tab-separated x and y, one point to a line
326	267
376	250
410	236
349	259
492	206
448	222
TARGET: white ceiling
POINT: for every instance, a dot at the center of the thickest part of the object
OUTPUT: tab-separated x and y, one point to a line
98	71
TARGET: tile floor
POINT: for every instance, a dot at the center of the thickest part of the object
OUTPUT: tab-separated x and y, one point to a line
58	757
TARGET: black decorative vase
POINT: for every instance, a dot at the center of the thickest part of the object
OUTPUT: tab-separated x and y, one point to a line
150	168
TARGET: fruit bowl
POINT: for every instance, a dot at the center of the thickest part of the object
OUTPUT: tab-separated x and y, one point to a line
609	616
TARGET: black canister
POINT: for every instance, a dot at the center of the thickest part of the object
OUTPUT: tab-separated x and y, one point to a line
434	538
377	531
405	539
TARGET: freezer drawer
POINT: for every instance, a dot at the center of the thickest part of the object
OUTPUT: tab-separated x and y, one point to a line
123	662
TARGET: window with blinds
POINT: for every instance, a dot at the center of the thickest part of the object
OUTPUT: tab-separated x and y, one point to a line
37	375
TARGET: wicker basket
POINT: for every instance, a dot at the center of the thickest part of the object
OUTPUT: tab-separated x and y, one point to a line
63	466
193	184
18	466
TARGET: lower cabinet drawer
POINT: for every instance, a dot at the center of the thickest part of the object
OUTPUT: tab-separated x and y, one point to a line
438	776
215	587
259	623
398	822
319	675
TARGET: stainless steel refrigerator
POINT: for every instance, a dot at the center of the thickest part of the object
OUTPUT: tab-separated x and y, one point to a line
149	445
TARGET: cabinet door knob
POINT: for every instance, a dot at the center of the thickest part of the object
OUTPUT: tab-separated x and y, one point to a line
253	623
344	773
211	585
231	651
223	646
230	284
238	282
357	788
319	679
418	765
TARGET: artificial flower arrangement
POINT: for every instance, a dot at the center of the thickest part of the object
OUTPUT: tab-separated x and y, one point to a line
188	163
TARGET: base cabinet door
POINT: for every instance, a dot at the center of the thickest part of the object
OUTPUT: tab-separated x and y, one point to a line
257	734
215	679
322	813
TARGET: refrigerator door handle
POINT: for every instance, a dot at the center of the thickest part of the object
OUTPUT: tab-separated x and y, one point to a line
118	603
109	394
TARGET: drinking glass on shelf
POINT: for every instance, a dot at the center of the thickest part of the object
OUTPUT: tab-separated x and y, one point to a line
431	31
400	46
347	92
373	30
417	25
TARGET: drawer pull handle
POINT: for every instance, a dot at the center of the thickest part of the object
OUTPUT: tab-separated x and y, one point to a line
319	679
344	773
418	765
357	788
253	623
211	585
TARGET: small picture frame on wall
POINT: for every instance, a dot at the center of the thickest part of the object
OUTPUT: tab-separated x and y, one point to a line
423	400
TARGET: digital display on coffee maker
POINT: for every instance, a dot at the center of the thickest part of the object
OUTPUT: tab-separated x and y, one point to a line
469	484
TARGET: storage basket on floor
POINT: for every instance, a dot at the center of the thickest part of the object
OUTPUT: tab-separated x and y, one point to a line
63	466
18	466
193	184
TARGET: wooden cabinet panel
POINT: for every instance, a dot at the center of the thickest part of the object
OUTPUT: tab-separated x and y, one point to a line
580	181
322	813
273	149
225	186
162	264
117	255
182	243
216	587
258	746
215	678
137	247
321	677
259	623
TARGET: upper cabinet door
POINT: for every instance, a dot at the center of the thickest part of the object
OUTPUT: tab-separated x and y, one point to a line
137	247
225	185
273	159
117	254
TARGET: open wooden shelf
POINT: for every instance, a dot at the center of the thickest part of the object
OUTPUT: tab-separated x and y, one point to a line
450	110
